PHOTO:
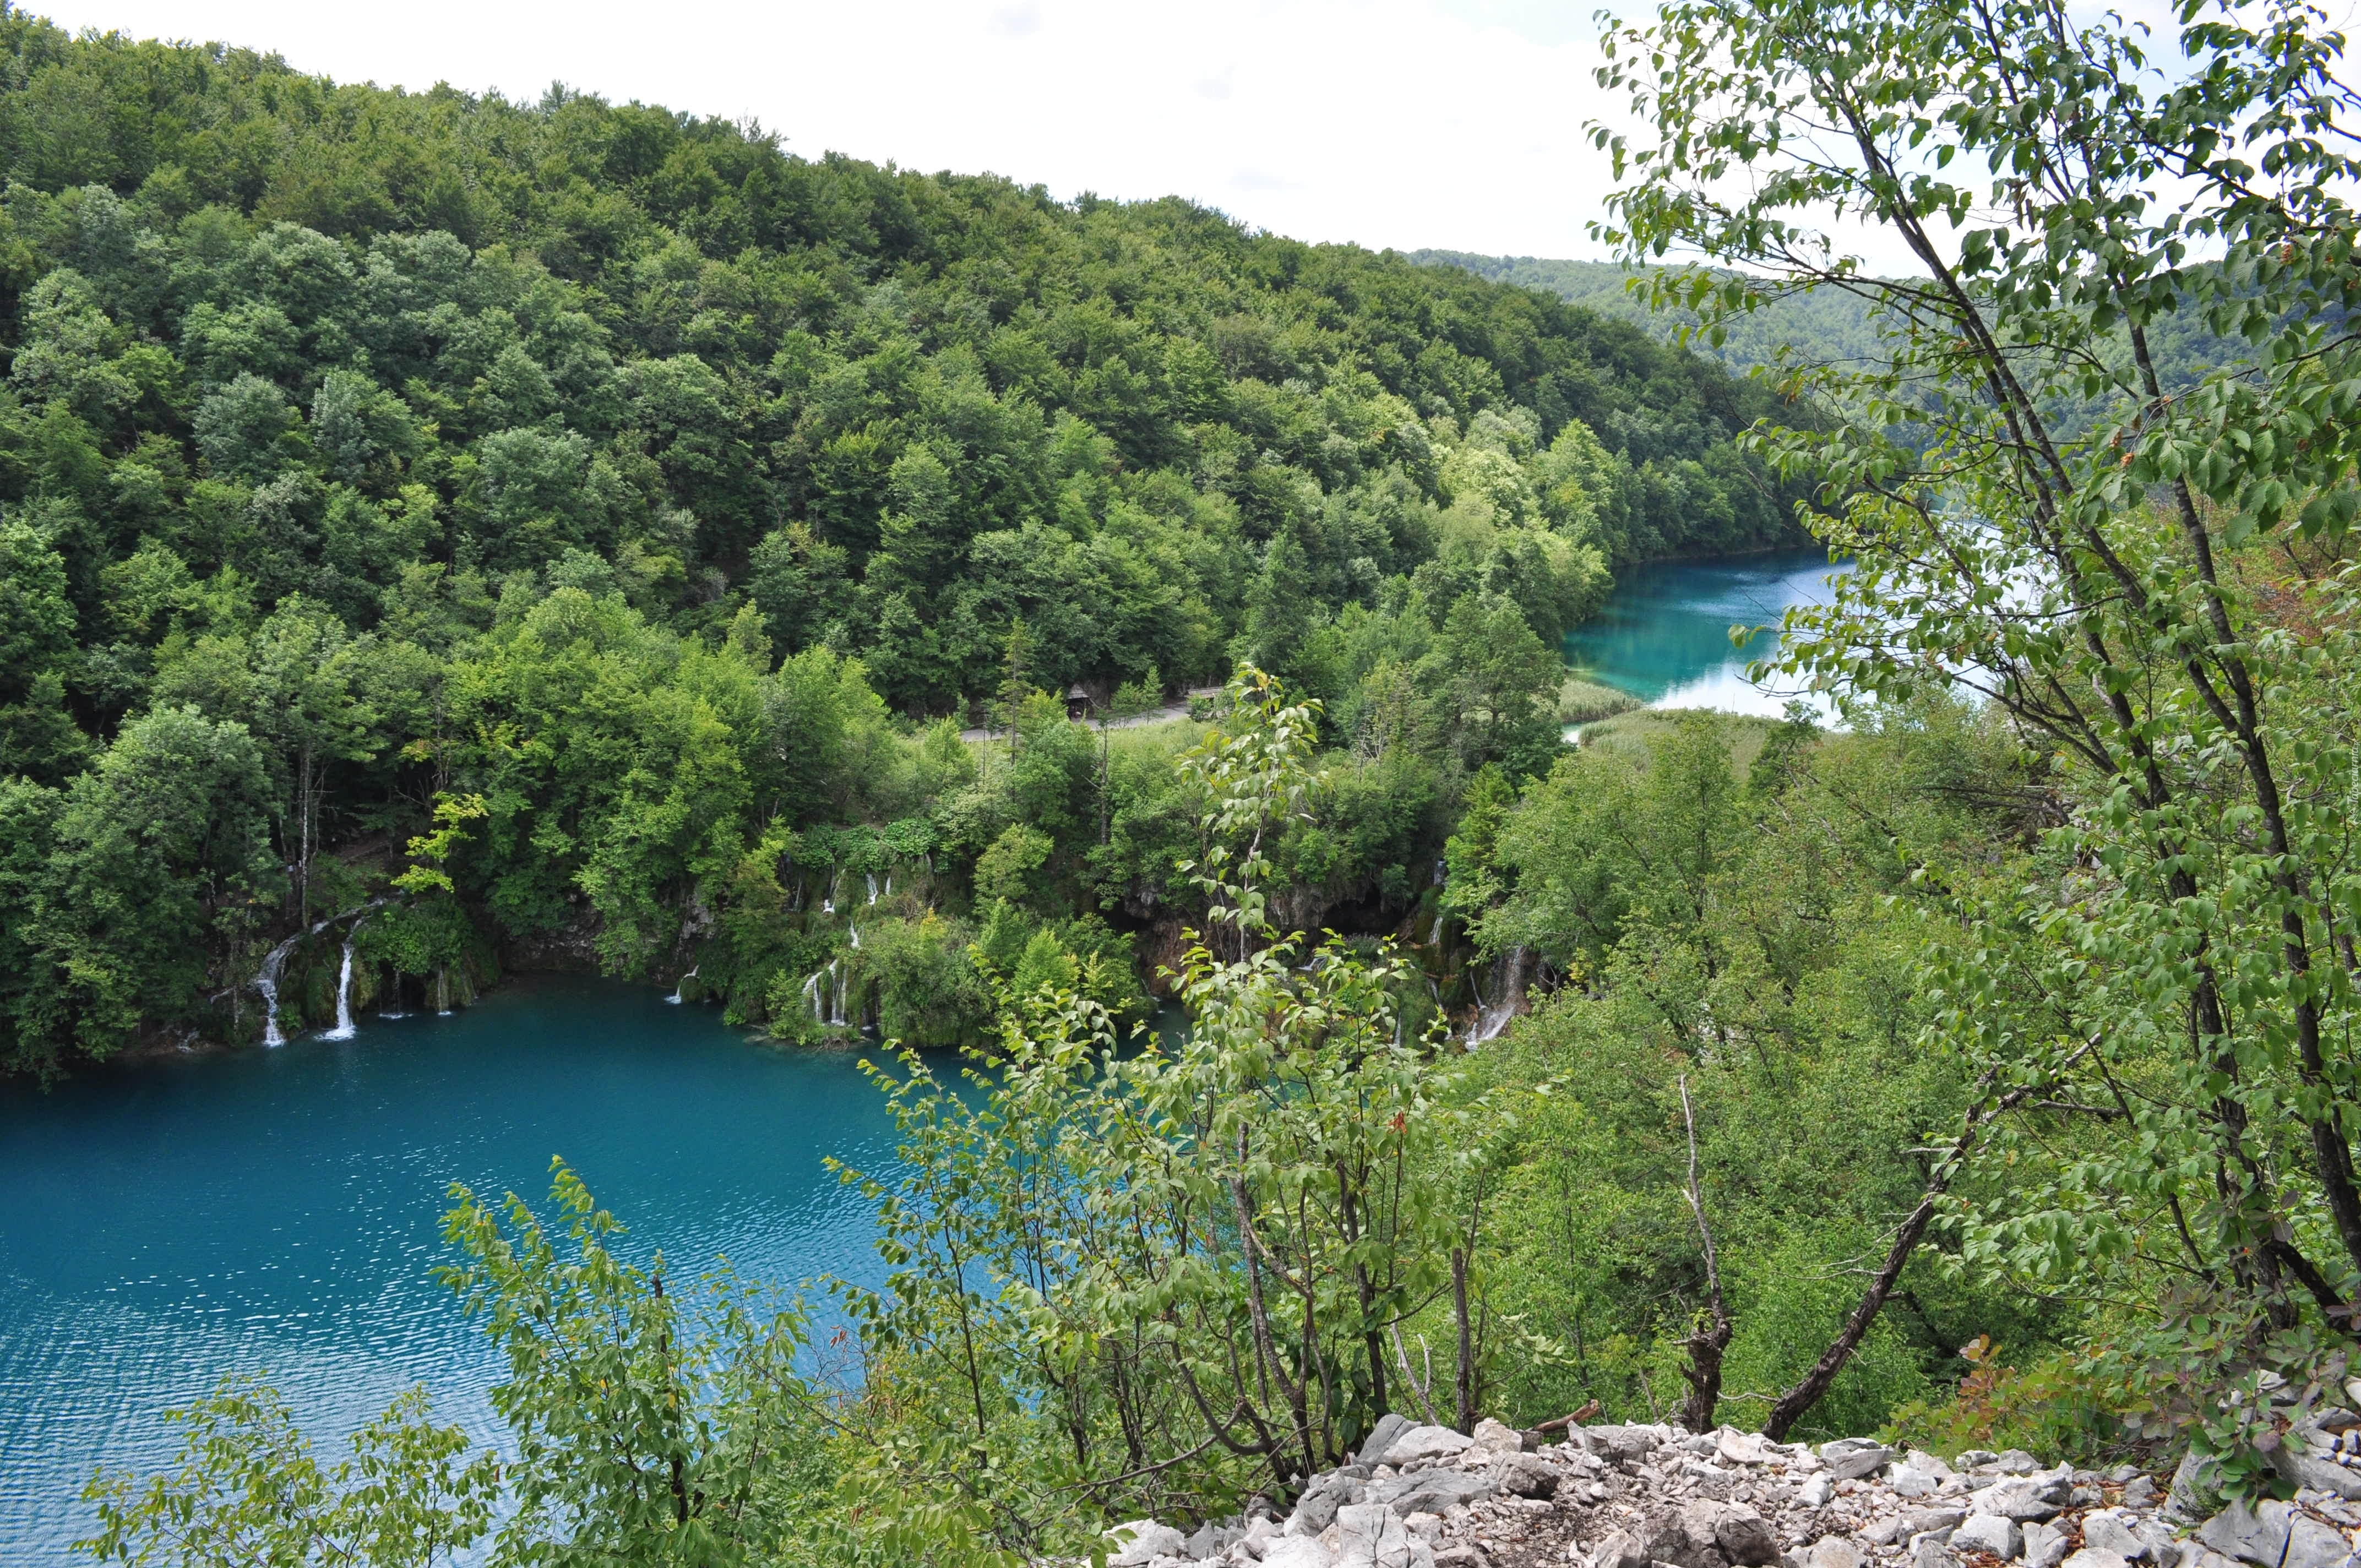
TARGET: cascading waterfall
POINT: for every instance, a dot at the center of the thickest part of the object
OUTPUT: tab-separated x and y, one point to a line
871	877
854	932
344	1028
681	984
265	978
826	991
1508	999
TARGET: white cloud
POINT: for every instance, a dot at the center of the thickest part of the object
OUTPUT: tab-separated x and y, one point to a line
1406	123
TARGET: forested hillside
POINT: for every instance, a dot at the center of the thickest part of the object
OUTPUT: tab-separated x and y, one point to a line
361	449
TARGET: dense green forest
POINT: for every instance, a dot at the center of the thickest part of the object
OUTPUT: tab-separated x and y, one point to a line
591	559
638	491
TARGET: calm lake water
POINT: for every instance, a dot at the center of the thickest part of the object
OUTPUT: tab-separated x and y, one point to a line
277	1212
1664	634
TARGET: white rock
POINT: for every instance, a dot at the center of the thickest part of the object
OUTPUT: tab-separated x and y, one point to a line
1850	1458
1884	1532
1496	1439
2255	1535
1425	1442
1926	1463
1995	1533
2104	1528
1143	1541
1371	1535
1742	1447
1833	1551
2045	1545
2024	1498
2091	1557
1816	1491
1298	1552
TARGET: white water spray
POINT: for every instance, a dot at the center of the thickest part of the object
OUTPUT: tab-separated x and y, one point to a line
1509	1000
265	978
682	984
871	877
344	1028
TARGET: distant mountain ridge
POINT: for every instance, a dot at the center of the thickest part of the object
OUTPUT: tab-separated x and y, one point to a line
1825	325
1822	327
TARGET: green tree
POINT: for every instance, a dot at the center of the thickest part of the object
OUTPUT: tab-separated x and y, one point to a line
2112	592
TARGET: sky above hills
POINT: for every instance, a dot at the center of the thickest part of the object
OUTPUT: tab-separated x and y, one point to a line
1403	123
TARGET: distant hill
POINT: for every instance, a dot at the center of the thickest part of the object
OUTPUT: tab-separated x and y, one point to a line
1825	325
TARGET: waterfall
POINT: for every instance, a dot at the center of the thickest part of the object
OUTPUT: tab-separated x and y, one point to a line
854	932
1509	1000
811	994
889	886
836	990
345	1030
681	984
871	877
828	906
265	978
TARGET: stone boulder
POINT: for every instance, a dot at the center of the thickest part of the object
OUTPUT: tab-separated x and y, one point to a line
1619	1549
1525	1476
2024	1498
1492	1440
1316	1509
2273	1535
1381	1438
1995	1533
1833	1551
1743	1536
1142	1541
1428	1491
1617	1444
1850	1458
2306	1461
1298	1552
1369	1535
1425	1442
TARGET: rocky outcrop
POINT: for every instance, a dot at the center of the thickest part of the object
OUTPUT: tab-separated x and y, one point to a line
1656	1497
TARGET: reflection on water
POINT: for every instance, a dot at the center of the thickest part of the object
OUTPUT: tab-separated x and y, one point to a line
277	1212
1663	635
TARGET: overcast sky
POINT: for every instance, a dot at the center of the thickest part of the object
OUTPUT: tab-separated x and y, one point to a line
1403	123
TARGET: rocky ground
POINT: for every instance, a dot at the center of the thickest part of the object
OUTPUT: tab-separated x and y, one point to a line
1648	1496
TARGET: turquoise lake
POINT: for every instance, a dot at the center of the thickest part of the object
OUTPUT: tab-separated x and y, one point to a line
277	1212
1663	636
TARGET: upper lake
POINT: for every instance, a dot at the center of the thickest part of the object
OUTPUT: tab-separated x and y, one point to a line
1663	634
